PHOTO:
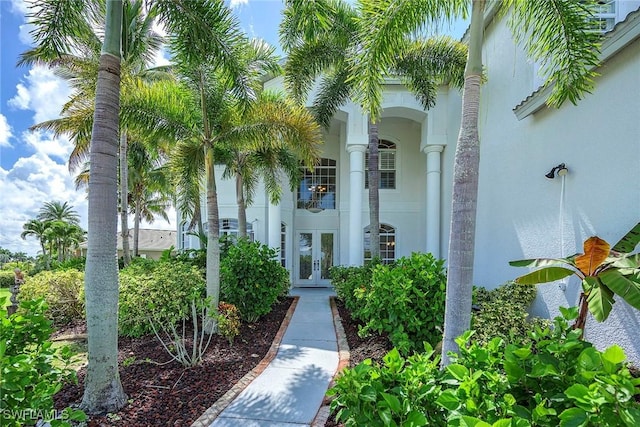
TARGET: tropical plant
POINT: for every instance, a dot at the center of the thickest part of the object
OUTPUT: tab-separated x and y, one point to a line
63	291
603	271
206	113
200	29
568	65
38	229
351	48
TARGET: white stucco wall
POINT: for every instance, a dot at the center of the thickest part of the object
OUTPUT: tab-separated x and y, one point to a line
522	214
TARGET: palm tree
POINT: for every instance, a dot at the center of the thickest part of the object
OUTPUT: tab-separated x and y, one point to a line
248	160
56	211
139	44
38	229
329	38
569	61
198	27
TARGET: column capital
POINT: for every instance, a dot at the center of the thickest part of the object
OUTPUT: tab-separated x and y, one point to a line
432	148
359	148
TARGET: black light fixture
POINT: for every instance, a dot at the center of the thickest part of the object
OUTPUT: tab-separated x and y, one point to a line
559	170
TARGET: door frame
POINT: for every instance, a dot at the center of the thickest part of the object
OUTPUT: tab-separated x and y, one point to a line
315	279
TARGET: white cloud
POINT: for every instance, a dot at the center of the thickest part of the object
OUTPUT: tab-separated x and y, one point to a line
19	7
237	3
5	132
30	183
45	143
43	92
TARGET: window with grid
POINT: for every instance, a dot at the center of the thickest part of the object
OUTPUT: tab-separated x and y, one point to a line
386	165
604	15
317	188
387	244
183	235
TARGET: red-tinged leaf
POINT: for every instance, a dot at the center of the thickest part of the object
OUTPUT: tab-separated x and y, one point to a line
596	251
545	275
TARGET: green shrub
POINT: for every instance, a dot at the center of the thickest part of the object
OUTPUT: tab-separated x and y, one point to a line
73	263
163	288
406	301
503	312
228	321
554	379
6	278
252	279
62	290
350	283
32	371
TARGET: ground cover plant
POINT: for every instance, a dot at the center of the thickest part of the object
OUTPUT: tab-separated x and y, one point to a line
31	370
553	379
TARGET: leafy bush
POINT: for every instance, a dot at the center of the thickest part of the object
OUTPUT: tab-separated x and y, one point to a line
350	283
73	263
252	279
406	301
6	278
32	370
503	312
554	379
163	289
228	321
62	290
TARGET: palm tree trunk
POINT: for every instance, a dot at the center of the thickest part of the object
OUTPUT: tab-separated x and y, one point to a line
465	195
242	208
213	237
124	198
136	227
103	390
374	191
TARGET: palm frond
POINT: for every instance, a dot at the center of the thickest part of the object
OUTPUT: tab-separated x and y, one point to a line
559	35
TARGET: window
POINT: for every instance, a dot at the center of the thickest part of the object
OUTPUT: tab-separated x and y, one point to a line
229	226
604	15
387	244
317	189
386	165
283	244
184	229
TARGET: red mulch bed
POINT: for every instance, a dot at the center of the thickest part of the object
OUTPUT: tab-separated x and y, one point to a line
167	394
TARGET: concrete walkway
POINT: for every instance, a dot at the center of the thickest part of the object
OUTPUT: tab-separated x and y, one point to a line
291	388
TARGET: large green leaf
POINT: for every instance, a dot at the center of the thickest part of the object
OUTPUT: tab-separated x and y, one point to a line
600	300
545	275
628	287
629	241
540	262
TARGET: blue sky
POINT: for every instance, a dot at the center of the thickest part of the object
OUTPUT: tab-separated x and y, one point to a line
33	165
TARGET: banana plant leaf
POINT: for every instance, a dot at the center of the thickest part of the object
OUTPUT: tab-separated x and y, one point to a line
628	287
542	262
600	299
544	275
596	251
629	241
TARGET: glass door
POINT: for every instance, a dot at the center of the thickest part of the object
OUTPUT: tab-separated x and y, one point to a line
316	255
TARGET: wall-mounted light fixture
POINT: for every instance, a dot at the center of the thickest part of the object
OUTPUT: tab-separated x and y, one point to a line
560	170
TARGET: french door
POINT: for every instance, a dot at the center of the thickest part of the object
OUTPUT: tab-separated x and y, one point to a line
316	255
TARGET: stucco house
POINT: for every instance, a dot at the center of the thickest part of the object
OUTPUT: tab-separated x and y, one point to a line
151	243
521	212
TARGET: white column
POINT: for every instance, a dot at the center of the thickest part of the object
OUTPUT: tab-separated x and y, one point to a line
356	185
274	226
433	198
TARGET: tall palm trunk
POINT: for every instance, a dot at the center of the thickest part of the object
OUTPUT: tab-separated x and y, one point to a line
242	207
213	237
374	191
465	195
124	197
136	227
102	388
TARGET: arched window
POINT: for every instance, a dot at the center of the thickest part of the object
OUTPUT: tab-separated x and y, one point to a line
386	165
387	244
317	189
